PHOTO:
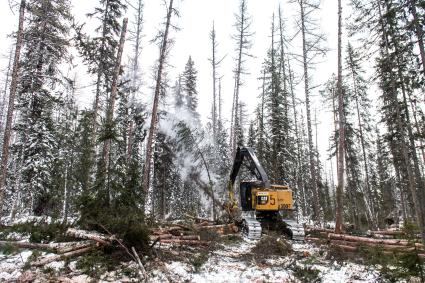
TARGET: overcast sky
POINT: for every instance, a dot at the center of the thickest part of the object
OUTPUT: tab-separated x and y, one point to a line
193	39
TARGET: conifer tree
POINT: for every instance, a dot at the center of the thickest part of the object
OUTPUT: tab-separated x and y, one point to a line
41	88
189	77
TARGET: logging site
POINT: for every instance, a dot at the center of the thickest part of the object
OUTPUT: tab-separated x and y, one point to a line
212	141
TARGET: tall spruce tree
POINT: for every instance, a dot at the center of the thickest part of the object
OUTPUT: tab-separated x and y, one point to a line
41	88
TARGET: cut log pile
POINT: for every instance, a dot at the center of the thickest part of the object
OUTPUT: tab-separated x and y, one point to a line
190	235
352	243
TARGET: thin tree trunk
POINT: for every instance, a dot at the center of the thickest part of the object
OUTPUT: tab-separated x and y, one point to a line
6	85
65	198
219	101
283	70
154	118
309	126
341	144
238	80
214	65
298	174
114	91
10	110
135	71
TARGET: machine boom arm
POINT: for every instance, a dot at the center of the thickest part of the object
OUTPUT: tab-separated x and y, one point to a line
253	166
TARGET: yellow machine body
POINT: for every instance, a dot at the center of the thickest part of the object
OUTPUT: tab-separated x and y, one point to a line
274	199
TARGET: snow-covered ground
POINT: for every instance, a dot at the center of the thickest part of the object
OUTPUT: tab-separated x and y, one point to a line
233	262
230	264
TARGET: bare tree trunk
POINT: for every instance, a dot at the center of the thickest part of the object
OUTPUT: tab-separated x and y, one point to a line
313	172
6	86
114	91
10	110
298	175
154	118
135	67
214	65
219	101
341	144
243	42
283	70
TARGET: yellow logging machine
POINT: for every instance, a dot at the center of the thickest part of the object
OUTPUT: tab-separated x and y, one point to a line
262	205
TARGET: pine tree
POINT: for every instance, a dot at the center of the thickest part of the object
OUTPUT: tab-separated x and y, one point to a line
39	93
99	52
189	78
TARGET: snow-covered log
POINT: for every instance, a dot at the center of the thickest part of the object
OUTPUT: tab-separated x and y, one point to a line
373	241
71	254
398	248
185	242
26	245
83	234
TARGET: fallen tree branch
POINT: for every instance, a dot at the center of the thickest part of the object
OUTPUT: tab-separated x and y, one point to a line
71	254
144	275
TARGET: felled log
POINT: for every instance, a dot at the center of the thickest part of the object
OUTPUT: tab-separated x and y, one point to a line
345	247
222	229
169	236
373	241
74	246
71	254
316	240
88	235
185	242
312	230
199	219
388	232
384	247
26	245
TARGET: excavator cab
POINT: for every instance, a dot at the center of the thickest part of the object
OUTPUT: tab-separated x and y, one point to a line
261	203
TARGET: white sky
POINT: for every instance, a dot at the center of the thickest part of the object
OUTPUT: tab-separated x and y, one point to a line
193	39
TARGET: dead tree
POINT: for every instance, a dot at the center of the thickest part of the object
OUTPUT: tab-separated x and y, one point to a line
154	119
137	37
242	37
6	85
215	63
341	130
10	110
311	48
